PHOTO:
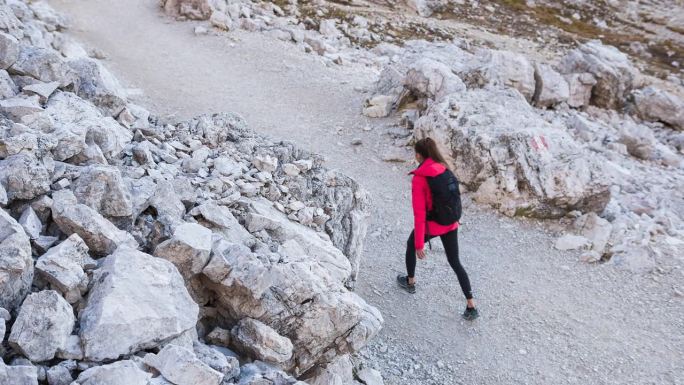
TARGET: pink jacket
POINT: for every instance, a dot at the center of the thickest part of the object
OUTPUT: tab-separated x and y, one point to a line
422	202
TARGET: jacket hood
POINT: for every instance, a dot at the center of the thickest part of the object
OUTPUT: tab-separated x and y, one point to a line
429	168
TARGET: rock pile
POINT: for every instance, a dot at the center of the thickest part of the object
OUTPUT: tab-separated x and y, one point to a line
326	29
591	135
138	252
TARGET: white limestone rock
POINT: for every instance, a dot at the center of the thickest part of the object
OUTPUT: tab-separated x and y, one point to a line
43	325
506	69
7	87
20	106
31	223
580	86
180	366
379	106
261	342
42	64
18	374
102	188
16	267
294	299
101	236
229	366
96	84
189	249
431	79
124	372
551	89
571	242
615	74
9	50
77	121
655	104
136	302
64	265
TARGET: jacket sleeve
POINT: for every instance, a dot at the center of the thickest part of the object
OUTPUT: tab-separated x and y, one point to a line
418	193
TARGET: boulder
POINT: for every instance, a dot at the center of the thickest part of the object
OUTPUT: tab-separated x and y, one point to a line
265	163
30	222
579	87
189	249
596	229
261	373
639	139
4	317
97	85
337	372
16	264
571	242
213	130
379	106
431	79
102	188
505	69
180	366
221	21
124	372
64	265
18	374
551	88
426	8
42	90
9	50
221	220
218	336
7	87
657	105
633	257
192	9
72	350
18	107
299	299
3	196
259	341
41	64
101	236
227	365
327	27
298	240
513	159
43	325
59	375
370	376
9	21
77	122
615	74
136	302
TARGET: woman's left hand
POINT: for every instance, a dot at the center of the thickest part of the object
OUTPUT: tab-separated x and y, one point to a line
420	253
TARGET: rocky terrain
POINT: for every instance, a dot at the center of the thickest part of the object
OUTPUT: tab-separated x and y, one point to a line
138	252
591	134
221	256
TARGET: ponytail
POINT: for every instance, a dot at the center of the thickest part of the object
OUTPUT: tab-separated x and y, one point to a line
427	148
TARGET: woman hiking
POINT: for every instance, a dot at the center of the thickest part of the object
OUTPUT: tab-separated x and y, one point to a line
431	222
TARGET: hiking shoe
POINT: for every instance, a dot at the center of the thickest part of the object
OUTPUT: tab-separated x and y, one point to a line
470	314
402	280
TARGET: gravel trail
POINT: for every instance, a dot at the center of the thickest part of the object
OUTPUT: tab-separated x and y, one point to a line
545	317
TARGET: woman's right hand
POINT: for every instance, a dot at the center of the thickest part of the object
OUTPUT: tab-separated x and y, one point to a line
420	254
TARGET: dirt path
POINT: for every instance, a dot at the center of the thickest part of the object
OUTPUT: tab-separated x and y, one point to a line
546	318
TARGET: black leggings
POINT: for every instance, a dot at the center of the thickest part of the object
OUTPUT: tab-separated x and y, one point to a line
450	242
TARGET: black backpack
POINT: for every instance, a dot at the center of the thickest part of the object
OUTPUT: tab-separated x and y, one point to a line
446	198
